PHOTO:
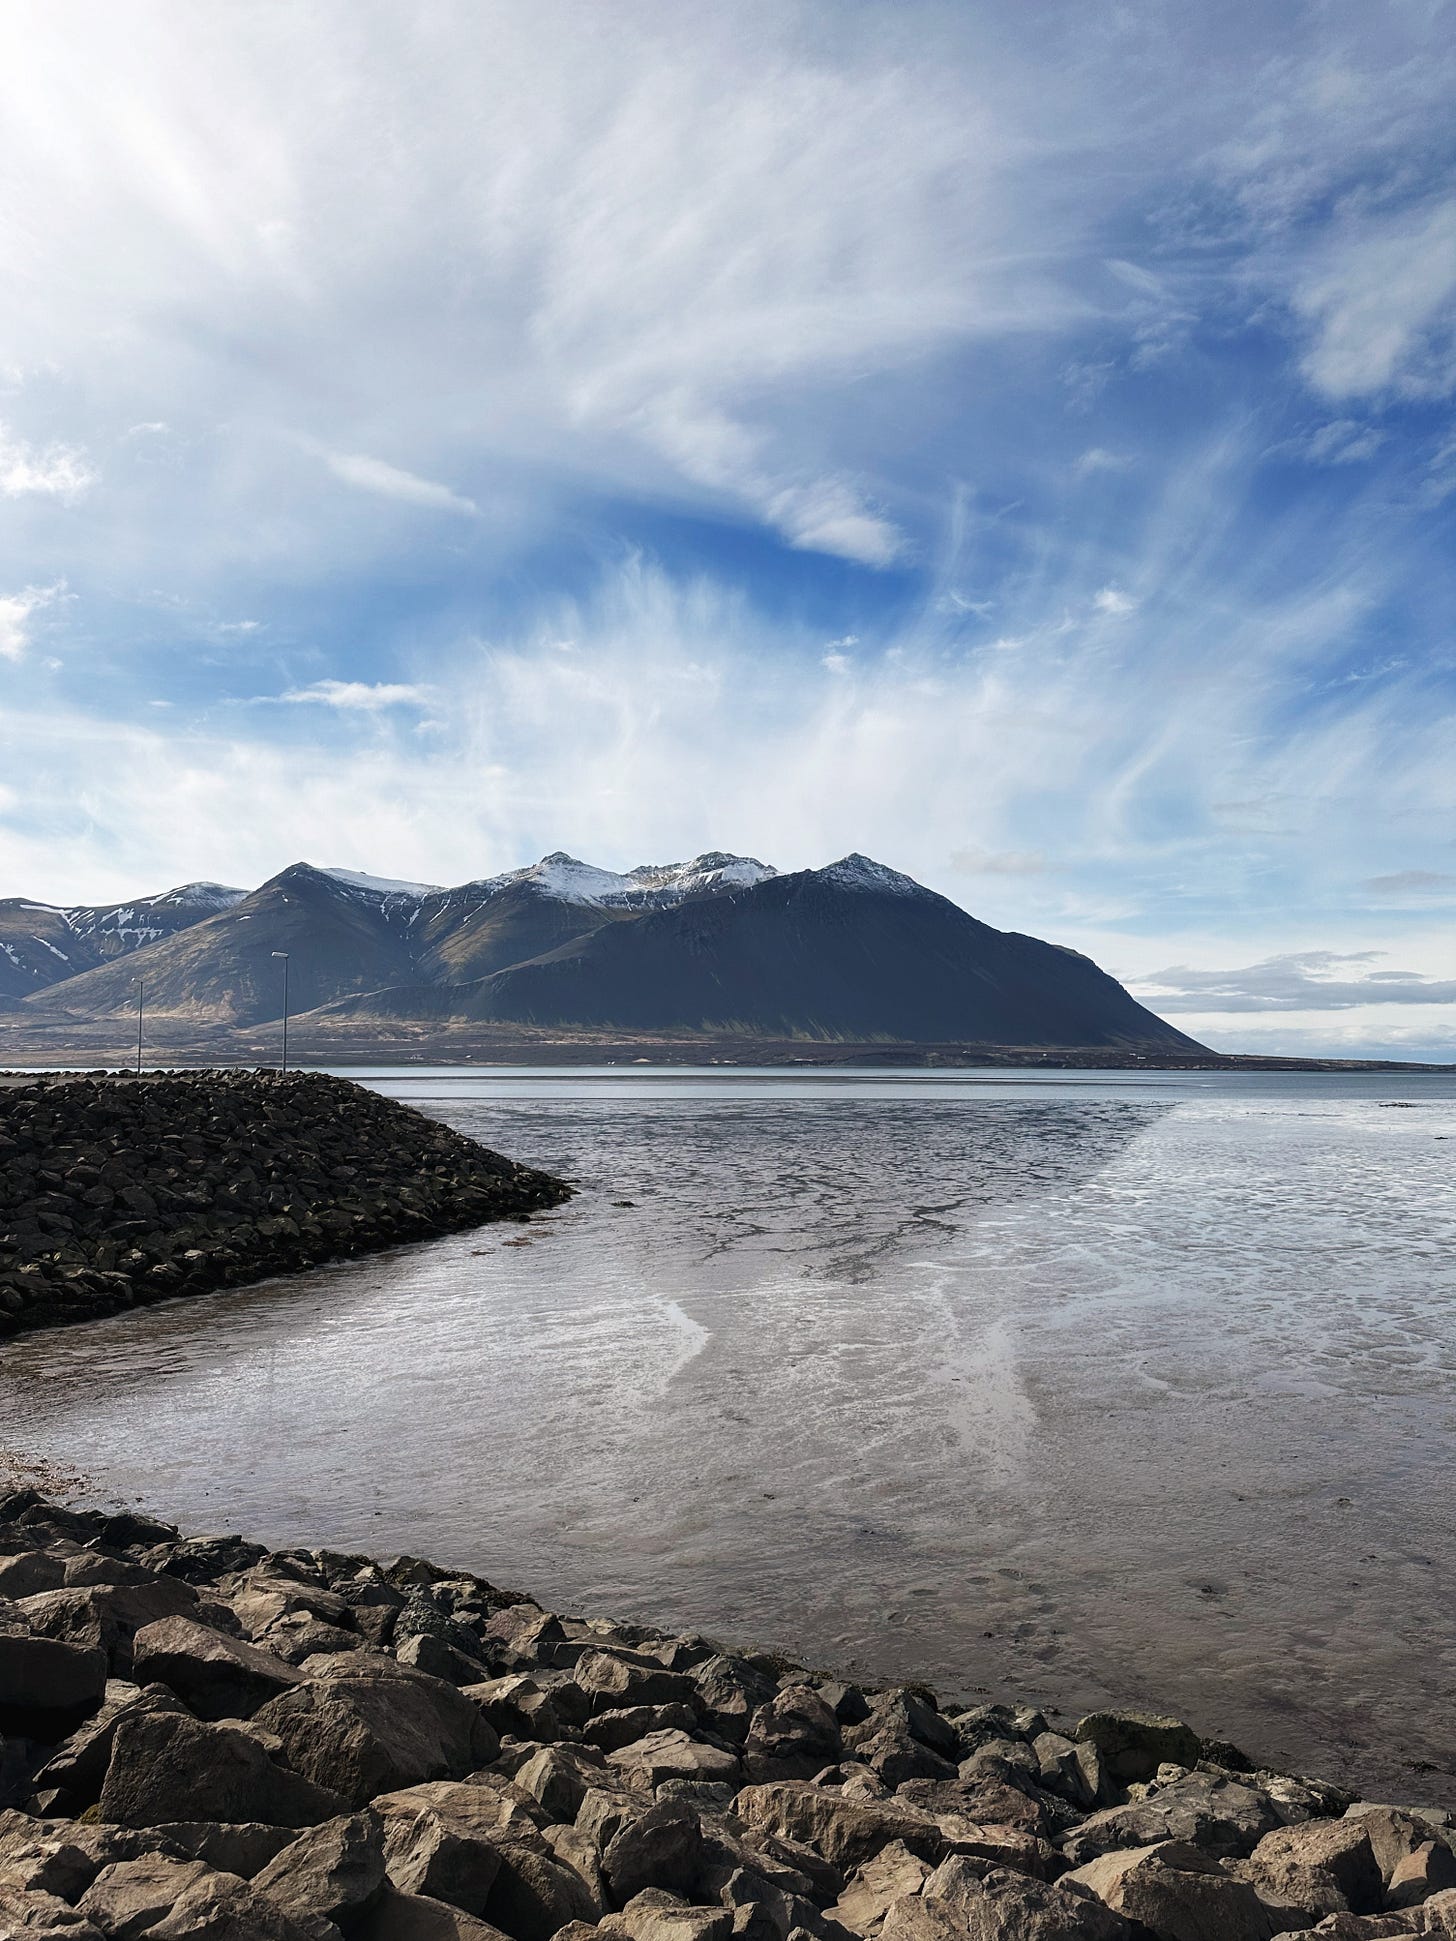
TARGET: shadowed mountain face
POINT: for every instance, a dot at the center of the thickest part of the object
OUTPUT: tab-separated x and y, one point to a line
854	952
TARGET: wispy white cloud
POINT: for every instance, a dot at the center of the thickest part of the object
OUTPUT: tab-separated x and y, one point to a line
361	697
1380	303
43	471
1311	980
17	610
390	482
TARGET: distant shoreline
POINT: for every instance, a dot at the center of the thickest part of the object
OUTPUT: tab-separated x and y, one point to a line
173	1042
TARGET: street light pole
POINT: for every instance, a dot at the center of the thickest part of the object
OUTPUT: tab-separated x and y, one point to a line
141	1001
284	955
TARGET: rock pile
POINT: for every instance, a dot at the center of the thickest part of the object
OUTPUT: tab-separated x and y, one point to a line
206	1739
117	1191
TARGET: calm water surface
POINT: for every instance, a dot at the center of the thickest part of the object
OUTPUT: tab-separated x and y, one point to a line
1133	1388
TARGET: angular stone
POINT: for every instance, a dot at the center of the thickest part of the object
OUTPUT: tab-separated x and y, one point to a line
79	1766
560	1777
130	1897
1132	1745
217	1677
793	1736
1430	1869
661	1847
1321	1867
963	1902
423	1651
610	1731
333	1872
1220	1816
1063	1768
607	1808
242	1847
518	1705
477	1846
873	1889
24	1913
905	1714
375	1730
417	1917
63	1857
48	1686
847	1832
729	1690
673	1755
165	1766
613	1679
1179	1893
956	1803
654	1915
108	1616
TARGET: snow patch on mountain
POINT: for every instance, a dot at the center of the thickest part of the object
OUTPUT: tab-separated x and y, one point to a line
649	886
353	879
856	872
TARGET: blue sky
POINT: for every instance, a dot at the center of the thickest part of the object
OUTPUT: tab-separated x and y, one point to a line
1013	440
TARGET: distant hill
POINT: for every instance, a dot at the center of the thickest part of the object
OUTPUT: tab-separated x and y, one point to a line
855	952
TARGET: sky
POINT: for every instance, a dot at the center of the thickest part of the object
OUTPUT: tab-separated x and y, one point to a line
1013	440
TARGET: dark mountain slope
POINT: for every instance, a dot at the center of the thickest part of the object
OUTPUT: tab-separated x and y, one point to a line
854	951
467	933
341	936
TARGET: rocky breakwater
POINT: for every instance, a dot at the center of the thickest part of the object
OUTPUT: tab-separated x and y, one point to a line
118	1191
205	1738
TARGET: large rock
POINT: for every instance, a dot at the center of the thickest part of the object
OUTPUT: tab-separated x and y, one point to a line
78	1768
417	1917
730	1689
333	1872
673	1755
1219	1816
1178	1893
794	1736
614	1679
478	1847
964	1902
376	1729
1429	1869
873	1889
217	1677
846	1831
48	1686
108	1616
171	1899
661	1847
1321	1867
654	1915
165	1766
241	1847
560	1777
1132	1745
610	1731
24	1913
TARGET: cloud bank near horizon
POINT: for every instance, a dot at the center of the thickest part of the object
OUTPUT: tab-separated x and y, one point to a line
827	429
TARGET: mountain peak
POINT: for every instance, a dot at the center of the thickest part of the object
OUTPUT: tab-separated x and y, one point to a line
856	872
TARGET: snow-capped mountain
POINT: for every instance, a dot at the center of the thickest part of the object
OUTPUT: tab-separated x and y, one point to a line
42	944
649	886
855	951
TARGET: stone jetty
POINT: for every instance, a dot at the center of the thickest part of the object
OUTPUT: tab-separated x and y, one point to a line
205	1738
117	1191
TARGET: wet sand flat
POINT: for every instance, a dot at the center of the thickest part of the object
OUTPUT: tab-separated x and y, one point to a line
1104	1389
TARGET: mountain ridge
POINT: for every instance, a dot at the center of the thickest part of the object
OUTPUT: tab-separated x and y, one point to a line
852	952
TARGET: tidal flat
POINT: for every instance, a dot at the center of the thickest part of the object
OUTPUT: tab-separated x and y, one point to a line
1083	1389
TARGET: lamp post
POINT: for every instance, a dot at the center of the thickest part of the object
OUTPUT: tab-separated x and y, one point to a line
141	1001
284	955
